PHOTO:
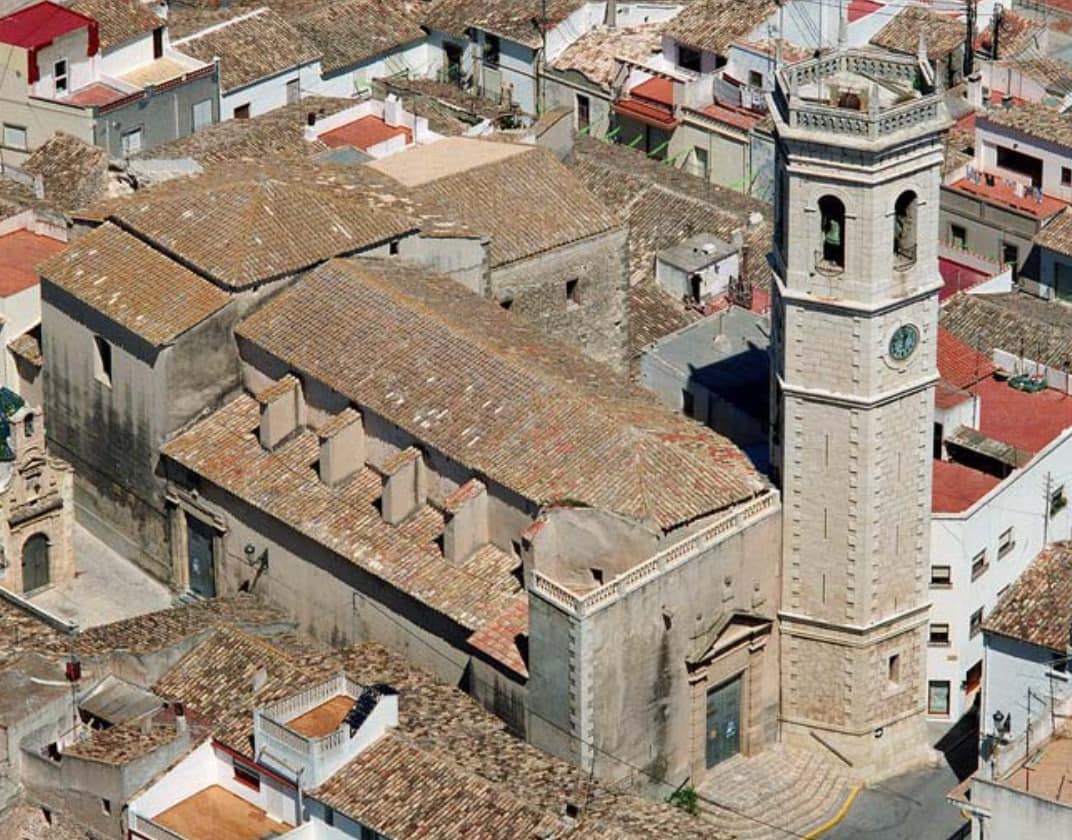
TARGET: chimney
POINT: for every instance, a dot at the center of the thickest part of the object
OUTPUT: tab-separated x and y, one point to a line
467	527
281	411
180	716
975	90
612	14
403	490
342	447
392	110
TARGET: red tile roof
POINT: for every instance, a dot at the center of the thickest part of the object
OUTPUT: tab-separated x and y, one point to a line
657	89
736	117
504	636
957	487
364	133
959	364
862	8
20	252
97	93
39	25
646	114
1038	607
1025	421
958	277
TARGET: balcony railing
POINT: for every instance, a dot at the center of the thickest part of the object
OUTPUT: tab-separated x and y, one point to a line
150	830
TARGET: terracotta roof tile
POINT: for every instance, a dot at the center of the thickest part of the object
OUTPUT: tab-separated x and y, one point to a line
1038	607
242	226
124	743
1031	119
348	32
27	347
133	284
1057	234
595	54
75	173
250	46
506	638
119	21
512	19
491	392
960	364
713	24
944	32
957	487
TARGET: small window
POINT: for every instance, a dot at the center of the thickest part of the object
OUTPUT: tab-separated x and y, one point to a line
573	294
28	425
688	404
106	806
393	248
688	58
242	112
102	361
584	112
597	576
958	234
293	91
975	624
939	635
492	49
59	75
158	42
243	775
755	79
15	137
1005	543
1059	664
894	668
938	697
506	303
1003	590
979	564
131	142
699	156
973	677
1066	177
1057	500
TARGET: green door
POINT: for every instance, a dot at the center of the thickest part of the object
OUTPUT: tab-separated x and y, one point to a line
35	563
723	722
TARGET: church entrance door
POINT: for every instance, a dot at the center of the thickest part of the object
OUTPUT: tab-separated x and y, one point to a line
723	722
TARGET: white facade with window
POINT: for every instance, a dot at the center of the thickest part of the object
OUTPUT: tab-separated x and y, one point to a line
271	92
975	556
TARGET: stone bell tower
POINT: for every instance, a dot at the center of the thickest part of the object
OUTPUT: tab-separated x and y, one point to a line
854	321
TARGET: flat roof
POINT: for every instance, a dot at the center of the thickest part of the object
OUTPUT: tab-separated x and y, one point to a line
40	24
958	277
97	93
1004	194
324	719
1045	773
956	487
1020	419
450	156
20	252
364	133
214	812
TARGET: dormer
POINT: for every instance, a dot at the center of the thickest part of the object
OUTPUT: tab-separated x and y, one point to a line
313	733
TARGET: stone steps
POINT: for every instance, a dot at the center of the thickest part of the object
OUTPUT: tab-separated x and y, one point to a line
792	790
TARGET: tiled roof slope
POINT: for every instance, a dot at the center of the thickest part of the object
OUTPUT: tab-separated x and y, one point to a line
519	196
75	173
512	19
714	24
596	53
133	284
251	47
277	136
348	32
944	33
124	743
1033	120
225	450
241	226
1038	607
492	393
959	364
119	21
1015	322
1057	234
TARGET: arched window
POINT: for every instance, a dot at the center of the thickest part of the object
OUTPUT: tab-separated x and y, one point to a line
832	233
904	229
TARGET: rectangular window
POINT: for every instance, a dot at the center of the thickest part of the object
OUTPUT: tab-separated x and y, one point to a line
1066	177
202	114
243	775
755	79
975	623
894	668
573	293
106	806
939	635
241	112
131	142
492	49
938	697
1027	165
15	137
699	156
59	75
688	58
979	564
1005	543
1057	500
959	235
584	112
158	42
102	361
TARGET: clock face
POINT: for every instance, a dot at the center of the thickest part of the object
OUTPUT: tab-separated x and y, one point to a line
903	342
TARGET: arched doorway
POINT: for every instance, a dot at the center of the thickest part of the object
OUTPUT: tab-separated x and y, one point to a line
35	572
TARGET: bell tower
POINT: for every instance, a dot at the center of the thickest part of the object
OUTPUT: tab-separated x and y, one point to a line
854	318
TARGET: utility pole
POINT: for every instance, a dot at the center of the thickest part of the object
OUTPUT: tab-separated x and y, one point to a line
969	38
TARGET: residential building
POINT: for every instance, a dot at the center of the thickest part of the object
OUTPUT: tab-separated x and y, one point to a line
1001	459
374	128
265	63
1020	790
452	536
116	83
136	319
993	207
854	313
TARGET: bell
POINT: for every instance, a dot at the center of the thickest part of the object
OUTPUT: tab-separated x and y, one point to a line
832	233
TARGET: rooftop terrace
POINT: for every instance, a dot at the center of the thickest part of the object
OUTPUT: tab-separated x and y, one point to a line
1007	193
215	812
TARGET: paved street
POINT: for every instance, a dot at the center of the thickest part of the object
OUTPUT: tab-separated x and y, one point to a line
107	587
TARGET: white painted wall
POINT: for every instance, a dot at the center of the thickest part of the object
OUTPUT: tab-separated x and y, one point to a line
1011	668
21	312
126	57
270	92
418	60
1018	502
989	137
81	69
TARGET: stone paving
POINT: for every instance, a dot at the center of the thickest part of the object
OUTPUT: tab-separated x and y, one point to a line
782	792
107	587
